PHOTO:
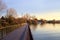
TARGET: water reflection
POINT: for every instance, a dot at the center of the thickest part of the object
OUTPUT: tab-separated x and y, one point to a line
42	24
33	27
46	31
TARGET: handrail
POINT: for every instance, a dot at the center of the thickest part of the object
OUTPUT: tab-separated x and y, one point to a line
31	37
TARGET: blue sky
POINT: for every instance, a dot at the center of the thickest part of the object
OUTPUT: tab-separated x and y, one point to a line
39	8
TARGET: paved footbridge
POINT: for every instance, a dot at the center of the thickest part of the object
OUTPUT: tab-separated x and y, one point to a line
22	33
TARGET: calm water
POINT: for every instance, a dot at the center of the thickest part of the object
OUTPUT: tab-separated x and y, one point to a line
46	31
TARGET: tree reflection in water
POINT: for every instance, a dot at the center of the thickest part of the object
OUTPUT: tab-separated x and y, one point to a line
33	26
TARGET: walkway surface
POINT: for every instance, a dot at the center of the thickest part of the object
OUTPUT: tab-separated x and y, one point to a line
21	33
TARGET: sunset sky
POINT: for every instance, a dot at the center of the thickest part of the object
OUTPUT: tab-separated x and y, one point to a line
46	9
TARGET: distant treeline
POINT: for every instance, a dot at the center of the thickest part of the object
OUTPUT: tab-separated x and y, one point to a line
10	20
49	21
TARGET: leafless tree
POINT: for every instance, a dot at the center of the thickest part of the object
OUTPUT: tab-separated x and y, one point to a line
11	12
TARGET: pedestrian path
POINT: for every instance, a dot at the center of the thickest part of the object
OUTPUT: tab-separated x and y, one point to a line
21	33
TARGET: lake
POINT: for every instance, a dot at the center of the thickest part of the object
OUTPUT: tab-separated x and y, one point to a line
45	31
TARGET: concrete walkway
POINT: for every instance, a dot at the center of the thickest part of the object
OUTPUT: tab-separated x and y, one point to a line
21	33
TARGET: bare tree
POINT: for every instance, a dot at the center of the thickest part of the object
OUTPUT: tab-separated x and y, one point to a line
11	12
2	7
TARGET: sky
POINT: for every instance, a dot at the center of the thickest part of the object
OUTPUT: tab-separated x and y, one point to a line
46	9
